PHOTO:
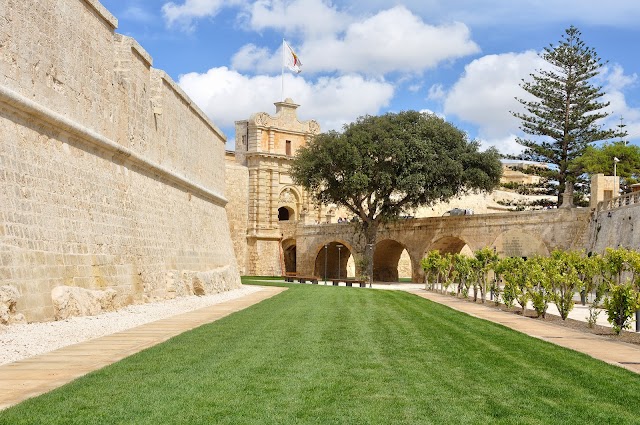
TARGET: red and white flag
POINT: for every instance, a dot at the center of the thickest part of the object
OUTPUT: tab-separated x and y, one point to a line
291	59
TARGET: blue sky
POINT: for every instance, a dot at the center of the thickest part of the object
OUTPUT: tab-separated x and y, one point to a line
461	59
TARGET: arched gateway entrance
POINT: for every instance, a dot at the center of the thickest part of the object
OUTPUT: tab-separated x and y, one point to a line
289	254
332	260
386	261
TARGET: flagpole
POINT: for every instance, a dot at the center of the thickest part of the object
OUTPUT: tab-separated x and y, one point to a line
282	73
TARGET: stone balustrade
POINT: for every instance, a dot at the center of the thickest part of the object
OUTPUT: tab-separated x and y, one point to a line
632	198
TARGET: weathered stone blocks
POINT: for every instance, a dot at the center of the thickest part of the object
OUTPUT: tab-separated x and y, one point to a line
184	283
71	301
9	296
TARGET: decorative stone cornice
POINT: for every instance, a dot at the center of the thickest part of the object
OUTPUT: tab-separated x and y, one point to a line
285	118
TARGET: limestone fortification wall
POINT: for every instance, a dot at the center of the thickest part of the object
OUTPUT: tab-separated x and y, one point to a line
110	177
237	177
616	227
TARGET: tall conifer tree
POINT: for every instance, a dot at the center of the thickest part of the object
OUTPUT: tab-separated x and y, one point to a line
566	115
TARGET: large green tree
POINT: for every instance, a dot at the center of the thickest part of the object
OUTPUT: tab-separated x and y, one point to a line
600	159
566	114
381	167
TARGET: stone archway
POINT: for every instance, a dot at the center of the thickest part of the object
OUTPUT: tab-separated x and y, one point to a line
515	243
288	204
386	258
451	245
289	254
332	260
285	214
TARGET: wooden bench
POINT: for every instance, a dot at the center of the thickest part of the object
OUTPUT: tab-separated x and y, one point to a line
292	277
349	282
289	276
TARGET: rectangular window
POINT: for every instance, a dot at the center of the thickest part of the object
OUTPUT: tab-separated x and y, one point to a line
288	147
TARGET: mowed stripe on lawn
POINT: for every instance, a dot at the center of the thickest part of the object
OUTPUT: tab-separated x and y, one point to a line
323	354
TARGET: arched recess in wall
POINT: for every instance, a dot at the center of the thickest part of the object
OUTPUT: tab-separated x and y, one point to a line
332	259
289	254
386	261
285	214
516	243
288	204
451	245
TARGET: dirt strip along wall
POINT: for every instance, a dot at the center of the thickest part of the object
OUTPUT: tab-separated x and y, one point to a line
110	177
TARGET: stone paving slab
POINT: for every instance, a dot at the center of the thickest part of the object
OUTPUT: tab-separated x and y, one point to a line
39	374
613	352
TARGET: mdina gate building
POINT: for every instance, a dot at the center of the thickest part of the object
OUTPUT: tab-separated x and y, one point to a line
261	193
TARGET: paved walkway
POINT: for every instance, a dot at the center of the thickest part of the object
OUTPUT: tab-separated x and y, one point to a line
617	353
37	375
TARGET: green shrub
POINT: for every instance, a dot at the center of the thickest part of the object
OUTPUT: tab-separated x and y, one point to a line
622	303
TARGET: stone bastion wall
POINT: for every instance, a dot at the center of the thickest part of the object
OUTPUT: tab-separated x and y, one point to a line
111	179
616	223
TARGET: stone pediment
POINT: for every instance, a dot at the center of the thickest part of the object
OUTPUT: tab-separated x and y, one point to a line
285	119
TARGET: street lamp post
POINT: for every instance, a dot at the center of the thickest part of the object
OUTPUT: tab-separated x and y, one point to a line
325	263
615	164
339	248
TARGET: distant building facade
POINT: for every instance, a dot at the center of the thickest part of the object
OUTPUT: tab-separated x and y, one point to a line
511	173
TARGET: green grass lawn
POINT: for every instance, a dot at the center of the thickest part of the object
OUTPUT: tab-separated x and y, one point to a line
334	355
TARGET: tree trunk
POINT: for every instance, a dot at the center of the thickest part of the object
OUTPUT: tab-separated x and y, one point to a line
370	235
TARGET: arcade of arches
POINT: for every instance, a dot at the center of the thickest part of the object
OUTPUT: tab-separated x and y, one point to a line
329	251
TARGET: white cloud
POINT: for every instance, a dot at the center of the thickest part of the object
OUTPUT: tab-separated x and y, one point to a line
486	92
429	111
309	17
340	100
436	92
320	16
616	78
505	145
183	15
614	82
331	101
391	40
396	39
258	59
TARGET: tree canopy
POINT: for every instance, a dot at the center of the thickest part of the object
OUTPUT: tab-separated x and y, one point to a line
600	159
380	167
566	115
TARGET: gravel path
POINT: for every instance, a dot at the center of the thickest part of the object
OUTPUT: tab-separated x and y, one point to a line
19	342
